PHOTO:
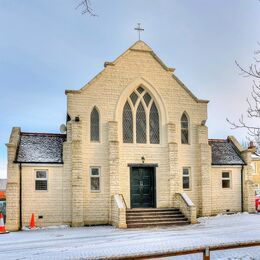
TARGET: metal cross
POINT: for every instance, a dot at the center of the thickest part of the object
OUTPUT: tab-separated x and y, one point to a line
139	29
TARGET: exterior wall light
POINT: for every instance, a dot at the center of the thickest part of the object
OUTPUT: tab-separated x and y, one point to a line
143	159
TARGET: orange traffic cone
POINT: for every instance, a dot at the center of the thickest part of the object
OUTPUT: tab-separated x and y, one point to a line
32	223
2	225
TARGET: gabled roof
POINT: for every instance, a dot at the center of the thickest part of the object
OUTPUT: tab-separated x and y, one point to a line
142	47
40	148
224	152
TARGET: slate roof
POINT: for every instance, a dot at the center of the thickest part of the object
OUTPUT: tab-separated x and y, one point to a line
40	148
224	152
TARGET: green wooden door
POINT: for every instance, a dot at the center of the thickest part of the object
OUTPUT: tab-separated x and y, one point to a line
142	187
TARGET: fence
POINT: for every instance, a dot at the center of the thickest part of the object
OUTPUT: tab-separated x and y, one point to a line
204	250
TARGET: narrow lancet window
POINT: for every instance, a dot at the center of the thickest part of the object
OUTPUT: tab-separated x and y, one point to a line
127	124
94	125
154	125
184	129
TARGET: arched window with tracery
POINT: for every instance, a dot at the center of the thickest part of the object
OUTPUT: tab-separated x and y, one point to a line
140	121
127	124
94	125
184	129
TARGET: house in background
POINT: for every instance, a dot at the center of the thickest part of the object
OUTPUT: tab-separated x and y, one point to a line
136	153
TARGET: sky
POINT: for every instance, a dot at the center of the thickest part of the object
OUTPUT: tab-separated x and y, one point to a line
49	46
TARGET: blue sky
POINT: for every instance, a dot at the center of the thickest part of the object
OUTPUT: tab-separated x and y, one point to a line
48	46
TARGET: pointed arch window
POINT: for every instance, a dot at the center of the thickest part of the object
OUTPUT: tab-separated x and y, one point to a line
140	121
184	129
127	124
154	125
94	125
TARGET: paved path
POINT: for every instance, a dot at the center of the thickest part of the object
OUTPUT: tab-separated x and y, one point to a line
107	241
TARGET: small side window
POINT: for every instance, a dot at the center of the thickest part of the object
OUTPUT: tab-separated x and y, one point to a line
226	180
186	178
95	179
41	180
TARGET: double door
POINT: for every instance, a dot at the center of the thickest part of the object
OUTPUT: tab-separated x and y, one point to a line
142	187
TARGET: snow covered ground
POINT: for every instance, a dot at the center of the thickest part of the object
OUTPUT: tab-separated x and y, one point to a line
106	241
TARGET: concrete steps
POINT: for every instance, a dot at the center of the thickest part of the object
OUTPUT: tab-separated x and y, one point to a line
154	217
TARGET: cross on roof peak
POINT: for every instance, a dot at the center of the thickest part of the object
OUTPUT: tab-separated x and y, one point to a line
139	29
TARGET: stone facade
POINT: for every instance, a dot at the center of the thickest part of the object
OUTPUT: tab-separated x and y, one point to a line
74	202
256	169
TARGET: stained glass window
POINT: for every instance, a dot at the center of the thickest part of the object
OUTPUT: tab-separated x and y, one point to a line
154	125
184	129
140	124
94	125
127	124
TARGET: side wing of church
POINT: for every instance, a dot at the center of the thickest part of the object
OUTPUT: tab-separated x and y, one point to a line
136	143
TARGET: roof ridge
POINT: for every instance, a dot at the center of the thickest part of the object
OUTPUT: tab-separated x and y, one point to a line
41	134
217	140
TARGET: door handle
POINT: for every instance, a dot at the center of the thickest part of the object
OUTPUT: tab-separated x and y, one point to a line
141	185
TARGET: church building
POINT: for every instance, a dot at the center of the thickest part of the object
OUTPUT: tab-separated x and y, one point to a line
135	152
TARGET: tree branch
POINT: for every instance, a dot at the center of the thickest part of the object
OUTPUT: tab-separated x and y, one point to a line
85	5
253	111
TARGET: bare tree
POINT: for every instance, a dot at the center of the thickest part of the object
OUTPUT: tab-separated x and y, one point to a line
85	5
251	123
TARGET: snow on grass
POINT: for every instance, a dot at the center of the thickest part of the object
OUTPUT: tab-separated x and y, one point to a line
105	241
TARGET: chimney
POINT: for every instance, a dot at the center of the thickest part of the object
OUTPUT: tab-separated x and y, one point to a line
252	147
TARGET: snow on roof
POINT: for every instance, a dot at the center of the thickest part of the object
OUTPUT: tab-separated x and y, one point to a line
40	148
224	152
3	183
255	156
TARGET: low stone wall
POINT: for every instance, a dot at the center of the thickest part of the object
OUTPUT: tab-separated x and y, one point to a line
186	206
118	211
